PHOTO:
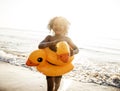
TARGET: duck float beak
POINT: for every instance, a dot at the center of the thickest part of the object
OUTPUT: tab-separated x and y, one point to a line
29	63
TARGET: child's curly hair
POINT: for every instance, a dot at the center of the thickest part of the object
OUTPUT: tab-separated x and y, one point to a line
51	22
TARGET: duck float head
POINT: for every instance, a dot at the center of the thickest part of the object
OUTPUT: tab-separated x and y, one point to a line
52	63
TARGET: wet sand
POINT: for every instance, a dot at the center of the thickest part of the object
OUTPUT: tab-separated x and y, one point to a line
17	78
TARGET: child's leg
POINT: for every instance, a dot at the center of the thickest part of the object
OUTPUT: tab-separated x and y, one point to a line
57	82
50	83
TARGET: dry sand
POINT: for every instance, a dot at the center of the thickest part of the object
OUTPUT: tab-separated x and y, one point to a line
17	78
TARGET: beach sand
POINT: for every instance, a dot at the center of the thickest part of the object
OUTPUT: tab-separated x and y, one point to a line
17	78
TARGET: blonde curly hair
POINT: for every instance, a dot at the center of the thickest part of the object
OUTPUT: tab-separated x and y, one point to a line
65	21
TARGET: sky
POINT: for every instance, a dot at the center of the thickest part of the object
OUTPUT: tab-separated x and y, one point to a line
90	19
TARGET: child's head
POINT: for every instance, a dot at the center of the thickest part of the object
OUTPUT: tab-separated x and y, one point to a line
59	25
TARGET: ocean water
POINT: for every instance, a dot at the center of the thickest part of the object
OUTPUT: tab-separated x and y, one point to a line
25	41
20	40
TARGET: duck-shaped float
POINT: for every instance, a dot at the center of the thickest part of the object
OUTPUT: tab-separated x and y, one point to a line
52	63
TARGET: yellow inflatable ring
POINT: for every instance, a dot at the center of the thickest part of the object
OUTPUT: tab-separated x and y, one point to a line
49	62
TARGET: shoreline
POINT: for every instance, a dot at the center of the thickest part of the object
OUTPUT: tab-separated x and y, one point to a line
17	78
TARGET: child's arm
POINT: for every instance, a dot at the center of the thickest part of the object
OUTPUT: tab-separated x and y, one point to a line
46	42
73	48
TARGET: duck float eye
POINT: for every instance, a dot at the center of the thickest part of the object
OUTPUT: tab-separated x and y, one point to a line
40	59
